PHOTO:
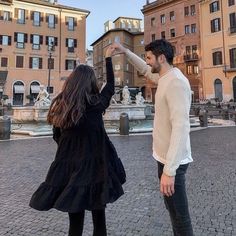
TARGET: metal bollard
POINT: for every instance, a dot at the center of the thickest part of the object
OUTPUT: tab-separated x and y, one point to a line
124	124
5	128
203	118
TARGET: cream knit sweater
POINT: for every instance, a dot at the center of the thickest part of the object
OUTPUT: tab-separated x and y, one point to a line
171	142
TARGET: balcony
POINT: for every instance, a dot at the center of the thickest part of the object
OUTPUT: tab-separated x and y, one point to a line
191	57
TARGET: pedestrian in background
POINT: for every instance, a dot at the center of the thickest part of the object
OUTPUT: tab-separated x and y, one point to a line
86	173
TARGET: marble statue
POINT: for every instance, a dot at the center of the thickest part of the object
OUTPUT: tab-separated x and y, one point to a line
139	100
126	96
43	98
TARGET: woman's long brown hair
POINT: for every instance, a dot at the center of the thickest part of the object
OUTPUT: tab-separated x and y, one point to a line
79	89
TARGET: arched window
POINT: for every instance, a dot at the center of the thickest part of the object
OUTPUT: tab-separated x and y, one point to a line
218	89
18	93
34	91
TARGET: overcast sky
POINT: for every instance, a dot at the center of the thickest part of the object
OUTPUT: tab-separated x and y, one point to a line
104	10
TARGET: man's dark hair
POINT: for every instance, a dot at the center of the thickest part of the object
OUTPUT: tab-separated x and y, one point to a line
161	46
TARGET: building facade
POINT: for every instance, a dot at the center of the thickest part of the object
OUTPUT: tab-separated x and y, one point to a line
40	44
126	31
218	40
178	22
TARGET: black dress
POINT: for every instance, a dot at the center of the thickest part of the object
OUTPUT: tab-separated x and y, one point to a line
86	173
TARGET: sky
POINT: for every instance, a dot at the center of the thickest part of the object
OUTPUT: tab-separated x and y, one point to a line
102	11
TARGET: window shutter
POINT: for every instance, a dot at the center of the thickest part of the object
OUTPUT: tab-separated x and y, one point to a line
46	40
25	38
15	37
1	15
214	58
41	16
55	41
26	14
212	26
0	39
47	18
75	21
32	15
31	38
40	39
10	16
66	64
19	61
56	19
74	64
219	23
75	43
66	42
30	62
40	63
66	20
9	40
16	13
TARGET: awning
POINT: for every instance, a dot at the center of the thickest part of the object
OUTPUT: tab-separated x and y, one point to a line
3	77
19	89
35	88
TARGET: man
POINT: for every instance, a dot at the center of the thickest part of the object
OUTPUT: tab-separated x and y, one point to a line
171	141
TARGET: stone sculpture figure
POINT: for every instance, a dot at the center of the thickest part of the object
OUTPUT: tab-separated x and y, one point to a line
126	96
139	100
43	98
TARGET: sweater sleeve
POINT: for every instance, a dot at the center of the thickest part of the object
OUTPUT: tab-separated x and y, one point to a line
108	90
141	66
179	101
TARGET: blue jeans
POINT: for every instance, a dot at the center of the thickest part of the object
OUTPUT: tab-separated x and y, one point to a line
177	204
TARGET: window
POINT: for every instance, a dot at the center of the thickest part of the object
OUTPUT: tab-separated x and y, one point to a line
35	63
188	50
172	16
70	21
215	25
5	40
163	19
232	19
231	2
6	16
194	50
195	69
232	53
70	64
20	39
186	11
153	37
36	40
163	34
192	10
217	58
215	6
51	19
21	16
187	29
71	44
51	41
153	21
193	28
117	39
36	18
172	33
141	41
19	61
4	61
189	69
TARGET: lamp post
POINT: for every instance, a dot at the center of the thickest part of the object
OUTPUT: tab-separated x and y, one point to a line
50	50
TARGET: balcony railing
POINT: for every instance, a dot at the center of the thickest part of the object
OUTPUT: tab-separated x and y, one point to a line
191	57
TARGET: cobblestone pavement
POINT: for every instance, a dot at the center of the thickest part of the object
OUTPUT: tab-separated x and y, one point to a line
140	212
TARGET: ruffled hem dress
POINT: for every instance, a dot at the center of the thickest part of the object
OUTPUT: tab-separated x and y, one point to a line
86	173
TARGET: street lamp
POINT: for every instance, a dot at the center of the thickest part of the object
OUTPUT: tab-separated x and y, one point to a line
50	50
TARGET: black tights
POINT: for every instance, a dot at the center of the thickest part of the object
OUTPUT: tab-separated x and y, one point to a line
77	223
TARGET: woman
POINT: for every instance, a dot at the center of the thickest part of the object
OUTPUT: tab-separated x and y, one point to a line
86	173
